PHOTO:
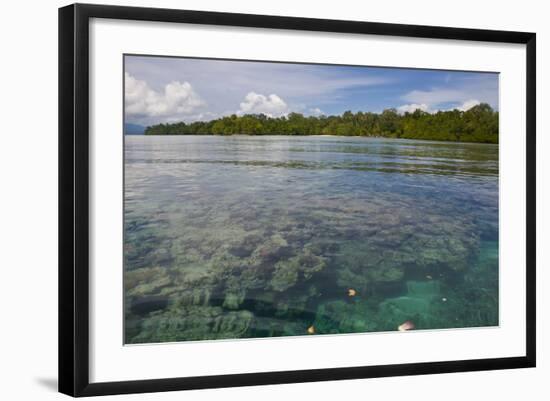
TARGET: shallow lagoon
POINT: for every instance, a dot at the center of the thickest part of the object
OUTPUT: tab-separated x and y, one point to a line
249	236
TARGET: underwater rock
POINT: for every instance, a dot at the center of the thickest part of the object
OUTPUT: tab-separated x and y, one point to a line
310	263
145	305
347	275
146	281
246	246
146	246
187	297
253	277
274	249
285	275
384	273
344	317
287	272
294	306
160	256
435	244
193	323
233	300
271	327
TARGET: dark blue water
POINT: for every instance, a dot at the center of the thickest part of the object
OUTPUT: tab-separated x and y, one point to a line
240	236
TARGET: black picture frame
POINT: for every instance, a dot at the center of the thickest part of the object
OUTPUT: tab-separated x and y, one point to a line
74	198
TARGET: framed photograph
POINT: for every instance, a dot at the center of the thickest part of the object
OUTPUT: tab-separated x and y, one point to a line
250	199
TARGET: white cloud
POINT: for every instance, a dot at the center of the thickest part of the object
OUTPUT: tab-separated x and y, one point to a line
410	108
255	103
316	111
222	83
189	118
434	96
176	101
472	91
468	104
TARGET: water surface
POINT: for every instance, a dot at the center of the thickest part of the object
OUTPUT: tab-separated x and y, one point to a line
261	236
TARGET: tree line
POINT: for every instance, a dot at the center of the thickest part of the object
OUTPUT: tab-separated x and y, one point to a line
478	124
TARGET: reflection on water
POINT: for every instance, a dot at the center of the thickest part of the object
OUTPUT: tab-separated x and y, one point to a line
239	237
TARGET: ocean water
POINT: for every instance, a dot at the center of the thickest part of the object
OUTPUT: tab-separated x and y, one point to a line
265	236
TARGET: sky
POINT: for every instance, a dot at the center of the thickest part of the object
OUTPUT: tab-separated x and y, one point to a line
166	89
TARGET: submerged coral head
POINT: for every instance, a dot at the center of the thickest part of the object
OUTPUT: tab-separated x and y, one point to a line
408	325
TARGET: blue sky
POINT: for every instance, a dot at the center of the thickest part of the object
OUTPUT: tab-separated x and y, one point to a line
162	89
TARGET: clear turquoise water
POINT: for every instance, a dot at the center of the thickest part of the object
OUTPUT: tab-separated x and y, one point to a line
247	236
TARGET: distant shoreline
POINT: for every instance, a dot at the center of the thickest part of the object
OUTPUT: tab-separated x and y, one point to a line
323	136
314	135
479	124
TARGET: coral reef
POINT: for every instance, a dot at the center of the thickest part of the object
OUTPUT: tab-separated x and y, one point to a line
203	260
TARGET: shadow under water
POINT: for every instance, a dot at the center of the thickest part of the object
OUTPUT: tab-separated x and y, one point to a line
243	237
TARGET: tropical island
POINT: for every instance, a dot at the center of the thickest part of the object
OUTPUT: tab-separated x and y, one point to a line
477	124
